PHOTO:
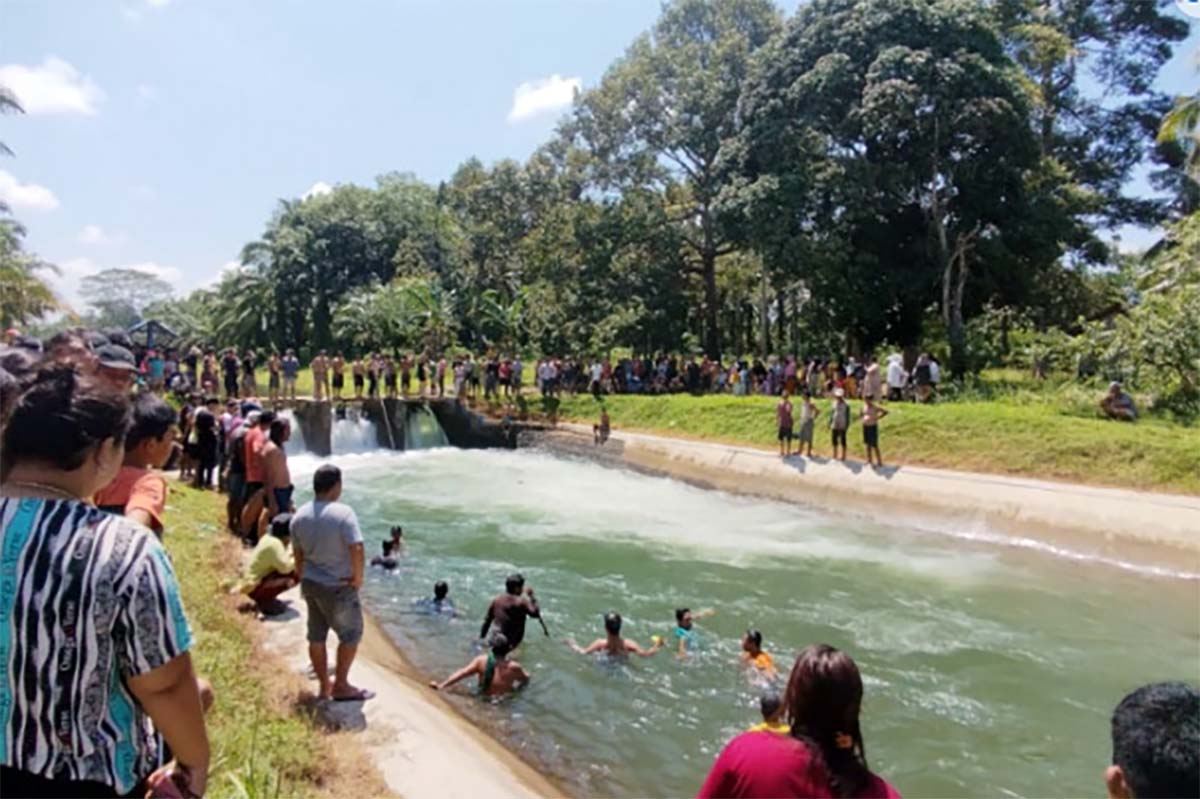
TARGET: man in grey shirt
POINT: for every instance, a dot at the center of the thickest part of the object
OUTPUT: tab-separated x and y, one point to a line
329	559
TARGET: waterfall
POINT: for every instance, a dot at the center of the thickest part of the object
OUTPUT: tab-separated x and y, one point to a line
354	433
296	444
422	430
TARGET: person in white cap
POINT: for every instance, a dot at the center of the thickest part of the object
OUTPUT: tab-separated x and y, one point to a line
839	422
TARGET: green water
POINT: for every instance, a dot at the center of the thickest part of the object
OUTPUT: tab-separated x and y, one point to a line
990	669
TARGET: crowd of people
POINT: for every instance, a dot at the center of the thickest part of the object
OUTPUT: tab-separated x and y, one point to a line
99	696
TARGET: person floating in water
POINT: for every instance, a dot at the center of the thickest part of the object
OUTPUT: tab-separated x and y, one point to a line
753	654
510	610
440	603
613	644
684	632
387	559
497	674
771	706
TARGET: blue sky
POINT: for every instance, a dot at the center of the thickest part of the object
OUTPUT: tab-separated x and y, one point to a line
161	133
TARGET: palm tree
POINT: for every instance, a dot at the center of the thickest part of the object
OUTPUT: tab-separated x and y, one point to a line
8	105
24	295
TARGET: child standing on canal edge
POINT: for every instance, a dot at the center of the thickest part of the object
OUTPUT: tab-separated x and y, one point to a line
783	417
871	414
839	422
808	416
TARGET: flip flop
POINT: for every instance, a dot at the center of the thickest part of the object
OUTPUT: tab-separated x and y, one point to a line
362	696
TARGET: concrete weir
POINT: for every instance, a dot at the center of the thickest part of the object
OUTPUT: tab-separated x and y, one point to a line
392	419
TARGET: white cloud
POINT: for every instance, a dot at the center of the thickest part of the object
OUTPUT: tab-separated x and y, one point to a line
94	234
168	273
157	3
146	92
55	87
317	190
540	96
25	196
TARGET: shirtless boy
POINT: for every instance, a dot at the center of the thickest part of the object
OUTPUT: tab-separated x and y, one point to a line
613	644
497	674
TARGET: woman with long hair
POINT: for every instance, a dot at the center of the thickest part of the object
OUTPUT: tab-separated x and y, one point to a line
93	637
822	756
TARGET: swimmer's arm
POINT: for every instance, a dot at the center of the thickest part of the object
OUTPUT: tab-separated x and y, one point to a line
707	613
474	667
683	648
633	647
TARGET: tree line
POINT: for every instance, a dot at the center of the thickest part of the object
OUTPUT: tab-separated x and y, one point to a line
866	173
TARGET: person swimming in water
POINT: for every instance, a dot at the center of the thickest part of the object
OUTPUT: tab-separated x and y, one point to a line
497	674
397	540
770	704
684	631
753	654
613	644
386	561
440	603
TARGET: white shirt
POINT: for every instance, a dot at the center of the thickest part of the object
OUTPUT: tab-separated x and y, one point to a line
895	375
597	370
935	373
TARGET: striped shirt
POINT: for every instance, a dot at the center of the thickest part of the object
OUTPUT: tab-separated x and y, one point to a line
87	600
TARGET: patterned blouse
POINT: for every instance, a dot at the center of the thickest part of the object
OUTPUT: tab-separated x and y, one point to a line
87	600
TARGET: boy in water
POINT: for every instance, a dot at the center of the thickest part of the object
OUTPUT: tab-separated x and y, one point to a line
441	603
684	633
783	418
771	707
808	416
839	422
753	654
871	414
510	610
385	561
497	674
613	644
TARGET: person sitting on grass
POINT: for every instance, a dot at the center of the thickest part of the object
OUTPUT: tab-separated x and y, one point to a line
138	492
1118	405
386	561
770	704
753	654
613	644
497	674
1156	743
271	570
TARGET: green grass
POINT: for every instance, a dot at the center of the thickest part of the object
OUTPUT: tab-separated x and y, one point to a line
262	746
1003	436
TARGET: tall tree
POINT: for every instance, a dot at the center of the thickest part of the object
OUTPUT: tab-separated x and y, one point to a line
658	118
24	294
120	295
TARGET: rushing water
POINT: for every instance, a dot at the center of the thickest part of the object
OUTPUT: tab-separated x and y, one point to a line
990	670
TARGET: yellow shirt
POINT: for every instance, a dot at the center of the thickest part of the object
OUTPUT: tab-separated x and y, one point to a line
270	555
763	661
772	726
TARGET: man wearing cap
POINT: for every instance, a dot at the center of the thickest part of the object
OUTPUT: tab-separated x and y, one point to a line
1117	404
116	366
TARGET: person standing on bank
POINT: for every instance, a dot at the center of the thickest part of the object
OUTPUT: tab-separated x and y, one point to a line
328	547
97	641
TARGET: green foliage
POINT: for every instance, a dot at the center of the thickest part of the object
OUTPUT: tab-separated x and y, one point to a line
119	296
408	312
24	295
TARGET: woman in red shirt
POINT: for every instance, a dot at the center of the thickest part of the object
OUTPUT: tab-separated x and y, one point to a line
823	756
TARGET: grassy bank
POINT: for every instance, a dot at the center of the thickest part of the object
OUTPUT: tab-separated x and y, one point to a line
1028	439
263	744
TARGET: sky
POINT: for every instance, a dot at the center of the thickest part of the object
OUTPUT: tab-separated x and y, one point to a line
160	134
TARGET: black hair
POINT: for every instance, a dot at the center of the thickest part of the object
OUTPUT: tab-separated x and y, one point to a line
325	478
612	622
770	703
212	400
755	637
18	362
152	419
679	613
61	416
281	525
1156	740
266	417
514	583
440	589
387	547
397	531
279	426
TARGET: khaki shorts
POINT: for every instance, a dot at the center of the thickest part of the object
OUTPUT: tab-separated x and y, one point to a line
332	606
